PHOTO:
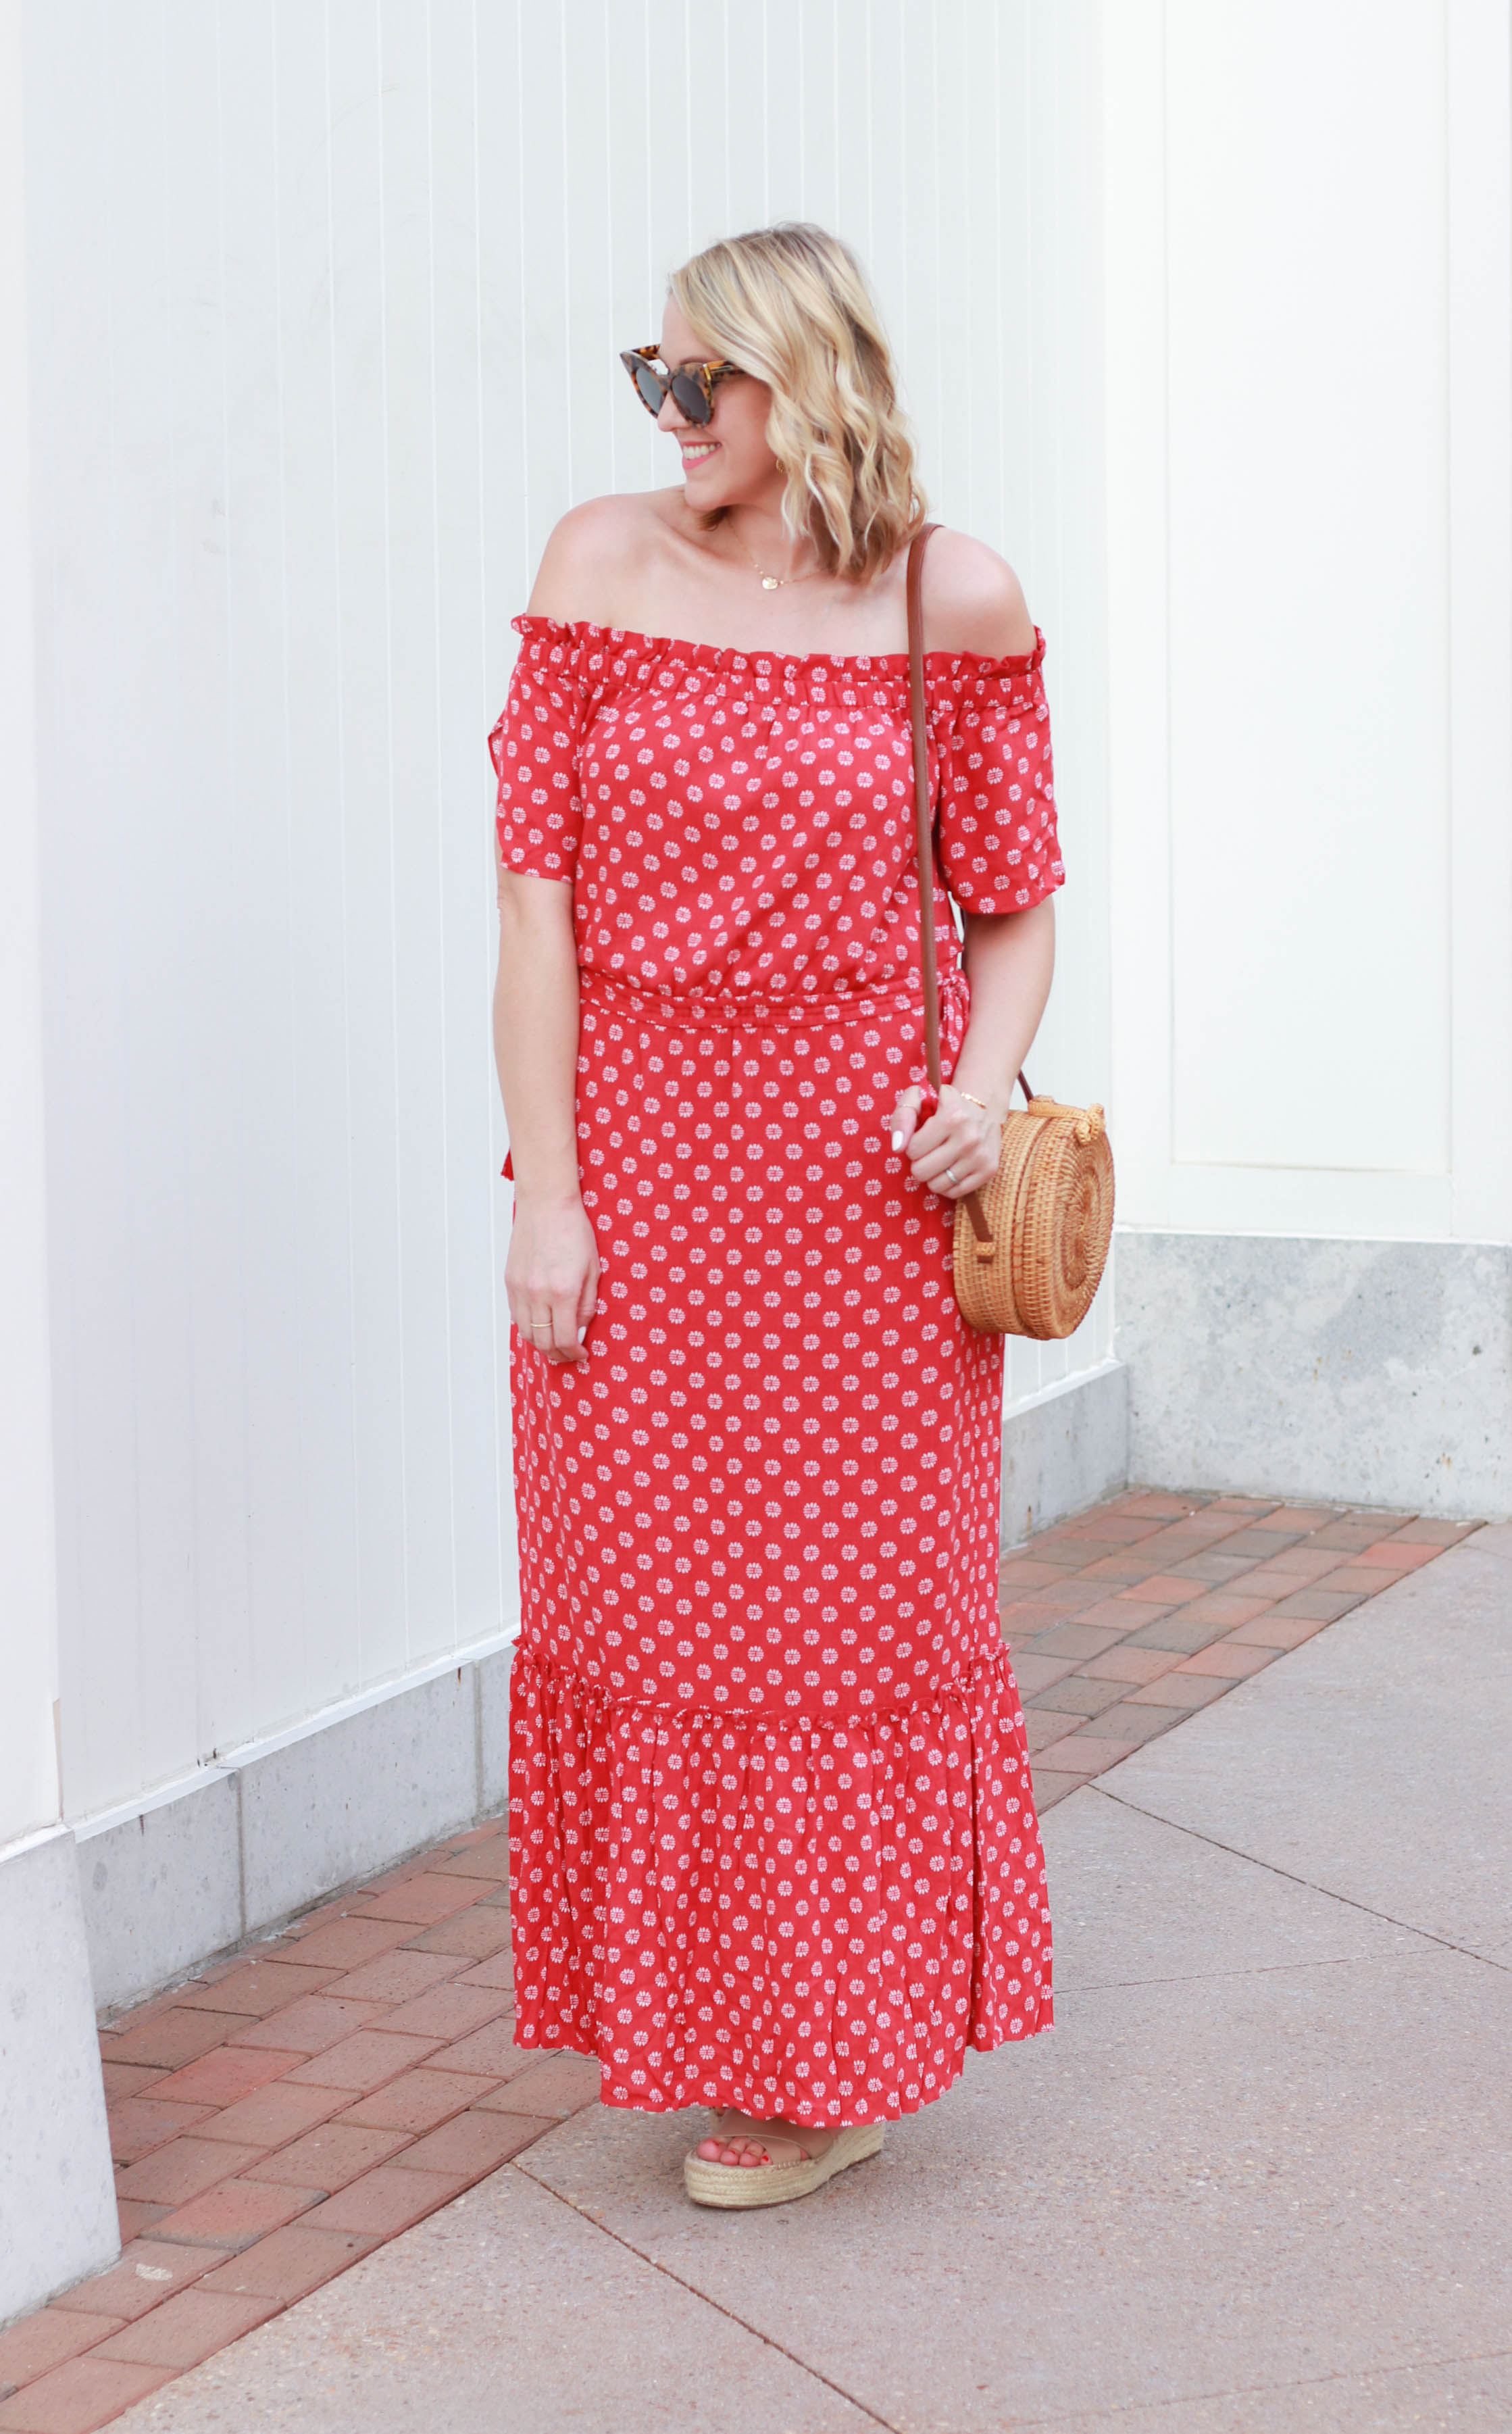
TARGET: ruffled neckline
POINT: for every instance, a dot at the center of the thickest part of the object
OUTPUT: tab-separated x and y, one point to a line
622	642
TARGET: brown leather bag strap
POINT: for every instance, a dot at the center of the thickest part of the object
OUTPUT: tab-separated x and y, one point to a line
923	810
923	831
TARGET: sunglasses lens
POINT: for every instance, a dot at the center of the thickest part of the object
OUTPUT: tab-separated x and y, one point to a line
689	399
649	388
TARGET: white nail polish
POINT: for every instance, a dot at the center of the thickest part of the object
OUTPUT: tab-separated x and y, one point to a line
897	1140
583	1335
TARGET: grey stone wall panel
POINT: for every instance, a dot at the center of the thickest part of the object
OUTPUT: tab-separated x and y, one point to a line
1371	1373
58	2217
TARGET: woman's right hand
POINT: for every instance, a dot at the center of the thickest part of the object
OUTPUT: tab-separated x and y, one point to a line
552	1275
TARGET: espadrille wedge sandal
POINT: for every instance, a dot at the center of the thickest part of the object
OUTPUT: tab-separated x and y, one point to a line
799	2162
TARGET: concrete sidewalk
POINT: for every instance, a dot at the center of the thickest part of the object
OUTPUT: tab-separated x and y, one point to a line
1256	2181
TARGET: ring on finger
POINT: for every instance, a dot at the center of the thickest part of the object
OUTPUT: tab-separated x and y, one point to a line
950	1174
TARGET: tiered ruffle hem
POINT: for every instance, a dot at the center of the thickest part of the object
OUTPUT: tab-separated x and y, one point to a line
796	1918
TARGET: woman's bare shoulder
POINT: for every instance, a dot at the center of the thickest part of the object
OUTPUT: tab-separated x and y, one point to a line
596	552
973	600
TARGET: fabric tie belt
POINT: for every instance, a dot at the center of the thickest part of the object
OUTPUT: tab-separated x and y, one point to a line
729	1009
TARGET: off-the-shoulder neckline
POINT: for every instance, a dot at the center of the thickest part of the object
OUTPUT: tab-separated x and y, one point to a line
714	654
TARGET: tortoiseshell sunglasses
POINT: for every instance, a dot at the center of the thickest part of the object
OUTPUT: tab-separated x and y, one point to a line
691	387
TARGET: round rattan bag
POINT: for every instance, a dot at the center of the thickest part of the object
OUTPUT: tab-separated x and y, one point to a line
1031	1249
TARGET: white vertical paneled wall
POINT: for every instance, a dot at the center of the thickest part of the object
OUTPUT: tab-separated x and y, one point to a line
326	298
1308	263
28	1636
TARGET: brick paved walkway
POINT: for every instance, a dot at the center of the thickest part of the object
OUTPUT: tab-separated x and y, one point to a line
1123	1621
296	2106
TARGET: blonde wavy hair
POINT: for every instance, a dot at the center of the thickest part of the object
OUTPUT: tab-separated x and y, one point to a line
790	304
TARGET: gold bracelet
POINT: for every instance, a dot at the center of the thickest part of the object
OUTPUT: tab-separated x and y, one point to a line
971	1098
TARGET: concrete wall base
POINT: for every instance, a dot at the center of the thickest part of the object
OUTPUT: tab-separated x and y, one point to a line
58	2218
1367	1373
1064	1451
246	1844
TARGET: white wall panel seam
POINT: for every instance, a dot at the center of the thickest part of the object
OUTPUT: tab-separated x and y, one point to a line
523	222
385	426
871	161
67	1474
566	216
1446	1150
30	1473
299	1526
1164	575
766	114
834	93
144	1684
343	809
233	1080
648	137
1135	423
440	792
801	79
1479	351
503	1537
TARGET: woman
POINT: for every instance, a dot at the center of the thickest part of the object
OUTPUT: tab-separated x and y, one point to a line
773	1845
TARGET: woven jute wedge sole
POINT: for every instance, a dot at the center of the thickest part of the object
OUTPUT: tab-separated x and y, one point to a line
764	2184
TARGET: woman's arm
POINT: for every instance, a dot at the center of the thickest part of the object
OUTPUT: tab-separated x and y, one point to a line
552	1273
974	602
1010	958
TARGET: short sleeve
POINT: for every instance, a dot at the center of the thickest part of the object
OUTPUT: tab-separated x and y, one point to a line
999	849
534	752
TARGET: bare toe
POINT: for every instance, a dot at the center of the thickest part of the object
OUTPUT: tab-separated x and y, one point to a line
733	2153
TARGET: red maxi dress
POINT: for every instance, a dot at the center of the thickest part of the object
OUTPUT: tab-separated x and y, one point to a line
773	1837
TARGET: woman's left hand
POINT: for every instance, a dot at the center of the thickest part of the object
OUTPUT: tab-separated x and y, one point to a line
955	1149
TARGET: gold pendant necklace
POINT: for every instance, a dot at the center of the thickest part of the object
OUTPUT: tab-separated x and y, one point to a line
774	582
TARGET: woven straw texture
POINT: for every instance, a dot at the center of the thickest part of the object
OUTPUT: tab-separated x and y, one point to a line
1050	1206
